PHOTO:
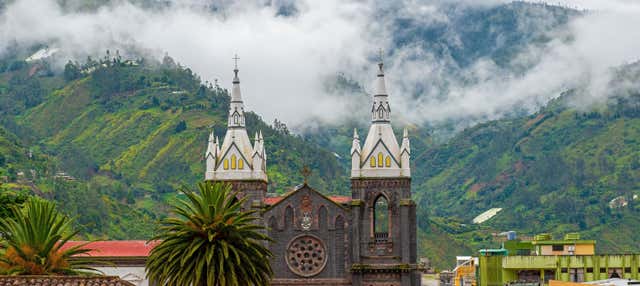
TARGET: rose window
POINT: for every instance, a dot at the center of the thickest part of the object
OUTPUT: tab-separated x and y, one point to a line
306	255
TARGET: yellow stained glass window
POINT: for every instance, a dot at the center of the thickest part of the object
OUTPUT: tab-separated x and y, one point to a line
380	159
372	162
240	164
387	161
233	162
226	164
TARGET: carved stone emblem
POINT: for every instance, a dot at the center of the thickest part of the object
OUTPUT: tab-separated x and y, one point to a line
305	223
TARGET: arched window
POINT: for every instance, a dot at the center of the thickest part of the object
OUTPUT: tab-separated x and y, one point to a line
288	218
381	113
322	218
381	219
273	224
233	162
235	118
226	164
240	164
387	161
380	159
372	162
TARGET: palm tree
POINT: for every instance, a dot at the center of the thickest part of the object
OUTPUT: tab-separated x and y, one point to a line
31	242
210	241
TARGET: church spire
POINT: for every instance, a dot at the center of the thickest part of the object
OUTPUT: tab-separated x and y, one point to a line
381	155
236	158
380	111
236	106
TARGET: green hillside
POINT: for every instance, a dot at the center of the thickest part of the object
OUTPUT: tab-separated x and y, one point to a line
118	138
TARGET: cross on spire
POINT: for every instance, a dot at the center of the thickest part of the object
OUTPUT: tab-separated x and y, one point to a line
236	58
306	172
380	54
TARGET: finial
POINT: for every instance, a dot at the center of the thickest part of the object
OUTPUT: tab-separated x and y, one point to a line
211	136
235	70
405	133
380	58
355	133
306	172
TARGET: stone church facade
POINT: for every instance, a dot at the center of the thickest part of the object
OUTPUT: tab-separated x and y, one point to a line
367	239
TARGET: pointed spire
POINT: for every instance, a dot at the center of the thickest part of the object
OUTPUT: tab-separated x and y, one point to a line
405	142
380	111
355	146
236	106
210	146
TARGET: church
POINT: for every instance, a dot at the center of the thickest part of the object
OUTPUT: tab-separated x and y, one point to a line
367	239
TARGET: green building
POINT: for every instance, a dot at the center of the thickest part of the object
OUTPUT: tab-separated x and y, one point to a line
544	259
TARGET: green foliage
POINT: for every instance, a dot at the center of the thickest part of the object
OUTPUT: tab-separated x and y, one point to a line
210	241
32	241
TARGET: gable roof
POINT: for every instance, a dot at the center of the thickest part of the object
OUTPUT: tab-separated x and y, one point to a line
338	200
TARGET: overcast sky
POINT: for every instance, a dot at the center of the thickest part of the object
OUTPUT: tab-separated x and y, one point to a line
285	61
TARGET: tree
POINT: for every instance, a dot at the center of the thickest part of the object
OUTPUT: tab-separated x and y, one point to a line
71	71
32	241
210	241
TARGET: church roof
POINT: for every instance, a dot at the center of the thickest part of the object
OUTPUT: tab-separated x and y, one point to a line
116	248
335	199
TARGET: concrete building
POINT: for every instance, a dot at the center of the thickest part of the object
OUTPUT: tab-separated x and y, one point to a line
570	260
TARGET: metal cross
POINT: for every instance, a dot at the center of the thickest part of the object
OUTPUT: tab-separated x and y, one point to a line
236	58
381	53
306	172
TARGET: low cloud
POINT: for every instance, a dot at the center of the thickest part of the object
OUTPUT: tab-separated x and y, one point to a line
285	60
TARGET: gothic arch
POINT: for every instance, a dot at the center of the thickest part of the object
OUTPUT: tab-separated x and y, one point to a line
288	217
339	222
273	224
322	218
381	217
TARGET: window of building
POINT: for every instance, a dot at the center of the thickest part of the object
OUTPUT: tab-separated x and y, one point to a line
589	269
225	164
603	270
381	219
380	159
564	270
557	247
240	164
372	162
615	272
387	161
233	162
627	270
576	274
549	275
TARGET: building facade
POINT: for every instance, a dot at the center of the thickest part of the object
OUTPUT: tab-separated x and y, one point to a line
367	239
544	259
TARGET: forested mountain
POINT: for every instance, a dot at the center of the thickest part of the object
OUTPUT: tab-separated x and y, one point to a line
110	134
111	139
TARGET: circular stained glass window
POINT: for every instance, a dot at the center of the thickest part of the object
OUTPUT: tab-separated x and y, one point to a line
306	255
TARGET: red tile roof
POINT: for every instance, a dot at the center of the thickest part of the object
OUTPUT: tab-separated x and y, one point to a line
116	248
337	199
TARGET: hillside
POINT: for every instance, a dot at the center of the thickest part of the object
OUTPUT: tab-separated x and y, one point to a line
560	170
118	136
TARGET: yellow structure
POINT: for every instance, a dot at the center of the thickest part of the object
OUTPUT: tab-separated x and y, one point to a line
570	245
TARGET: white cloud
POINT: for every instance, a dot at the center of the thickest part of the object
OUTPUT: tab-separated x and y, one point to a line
285	59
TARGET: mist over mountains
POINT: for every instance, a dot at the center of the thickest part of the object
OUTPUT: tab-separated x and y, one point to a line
466	61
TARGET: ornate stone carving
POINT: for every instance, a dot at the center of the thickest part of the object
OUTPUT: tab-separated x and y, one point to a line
381	183
306	255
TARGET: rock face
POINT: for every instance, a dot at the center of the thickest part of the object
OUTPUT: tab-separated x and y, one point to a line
62	281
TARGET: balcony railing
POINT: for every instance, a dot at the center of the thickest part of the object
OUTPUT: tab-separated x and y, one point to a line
381	237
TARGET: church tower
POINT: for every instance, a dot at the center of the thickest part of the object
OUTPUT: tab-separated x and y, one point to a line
384	248
236	160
